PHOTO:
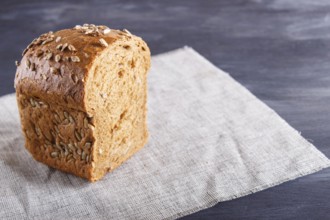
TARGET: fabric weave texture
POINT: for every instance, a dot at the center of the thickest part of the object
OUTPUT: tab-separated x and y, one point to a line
211	140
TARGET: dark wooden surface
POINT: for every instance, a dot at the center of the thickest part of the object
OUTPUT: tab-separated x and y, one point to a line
278	49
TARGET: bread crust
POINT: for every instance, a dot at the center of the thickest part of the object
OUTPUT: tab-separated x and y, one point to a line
66	85
57	67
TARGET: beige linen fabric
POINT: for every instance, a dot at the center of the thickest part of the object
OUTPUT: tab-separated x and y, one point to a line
211	140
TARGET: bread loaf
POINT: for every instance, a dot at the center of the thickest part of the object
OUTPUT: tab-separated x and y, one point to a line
82	95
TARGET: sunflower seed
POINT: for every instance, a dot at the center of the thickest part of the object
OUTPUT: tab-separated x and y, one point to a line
97	32
57	58
71	147
78	151
77	135
127	32
48	56
82	133
66	115
53	133
41	103
91	127
77	27
17	63
39	41
69	157
87	158
37	104
89	32
66	121
56	129
35	40
88	145
59	46
64	46
70	160
83	155
66	152
85	122
33	104
71	48
24	51
103	42
28	63
60	135
28	133
102	27
30	45
54	70
58	39
54	154
37	130
75	59
57	118
47	41
106	31
71	119
74	78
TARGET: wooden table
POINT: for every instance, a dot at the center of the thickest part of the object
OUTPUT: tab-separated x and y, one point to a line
279	50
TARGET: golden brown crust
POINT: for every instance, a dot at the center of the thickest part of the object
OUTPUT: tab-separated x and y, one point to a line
58	136
74	50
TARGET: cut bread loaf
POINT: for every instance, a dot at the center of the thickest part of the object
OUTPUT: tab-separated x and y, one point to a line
82	96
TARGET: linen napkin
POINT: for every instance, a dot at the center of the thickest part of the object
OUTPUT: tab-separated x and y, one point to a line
211	140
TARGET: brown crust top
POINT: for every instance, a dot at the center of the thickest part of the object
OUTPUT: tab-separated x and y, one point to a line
55	65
